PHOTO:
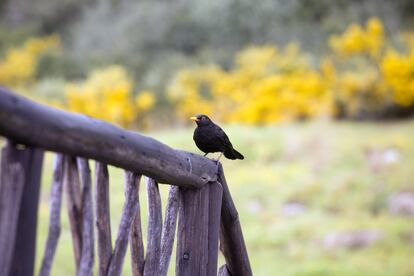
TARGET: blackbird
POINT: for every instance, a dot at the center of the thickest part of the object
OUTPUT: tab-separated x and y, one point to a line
209	138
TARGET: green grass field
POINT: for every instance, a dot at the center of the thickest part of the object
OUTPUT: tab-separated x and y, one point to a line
300	192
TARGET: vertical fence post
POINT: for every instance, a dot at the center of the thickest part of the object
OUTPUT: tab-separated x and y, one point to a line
214	215
103	220
198	231
169	228
152	258
11	190
231	235
74	206
137	244
192	239
87	255
128	215
25	243
54	220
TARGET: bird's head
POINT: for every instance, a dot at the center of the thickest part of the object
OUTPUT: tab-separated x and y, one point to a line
201	120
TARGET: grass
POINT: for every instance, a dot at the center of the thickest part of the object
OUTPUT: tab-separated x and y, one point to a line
322	166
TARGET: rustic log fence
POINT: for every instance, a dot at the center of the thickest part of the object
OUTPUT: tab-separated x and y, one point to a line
199	204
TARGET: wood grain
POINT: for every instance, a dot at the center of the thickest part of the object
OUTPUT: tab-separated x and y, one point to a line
192	237
25	245
168	230
152	258
214	214
231	235
74	206
87	256
128	215
11	191
54	220
137	244
103	220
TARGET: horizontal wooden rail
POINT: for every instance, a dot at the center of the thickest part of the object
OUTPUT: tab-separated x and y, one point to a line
30	123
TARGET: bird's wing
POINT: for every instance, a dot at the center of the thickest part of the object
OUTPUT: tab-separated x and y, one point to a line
222	136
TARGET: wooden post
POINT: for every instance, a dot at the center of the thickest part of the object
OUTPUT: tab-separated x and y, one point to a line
198	230
137	245
103	220
87	256
192	237
11	190
128	215
214	214
54	221
231	236
152	259
74	206
168	231
25	244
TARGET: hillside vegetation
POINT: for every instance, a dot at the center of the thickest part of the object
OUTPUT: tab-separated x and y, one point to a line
153	63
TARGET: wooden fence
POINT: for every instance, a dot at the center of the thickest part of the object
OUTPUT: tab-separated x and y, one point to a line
199	197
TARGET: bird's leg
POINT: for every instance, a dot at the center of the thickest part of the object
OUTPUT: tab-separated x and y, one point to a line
218	160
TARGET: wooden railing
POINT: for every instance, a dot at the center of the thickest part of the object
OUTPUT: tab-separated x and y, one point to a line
199	197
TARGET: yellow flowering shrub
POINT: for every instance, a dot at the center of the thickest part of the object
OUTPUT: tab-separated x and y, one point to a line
359	40
192	89
266	85
144	101
363	77
374	78
107	94
398	72
18	66
361	94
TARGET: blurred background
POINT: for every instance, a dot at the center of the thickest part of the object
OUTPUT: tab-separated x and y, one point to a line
317	94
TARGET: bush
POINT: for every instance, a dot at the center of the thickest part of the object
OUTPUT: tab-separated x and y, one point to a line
363	77
18	66
107	94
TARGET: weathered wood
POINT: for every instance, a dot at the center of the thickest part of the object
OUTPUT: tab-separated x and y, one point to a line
54	221
223	271
74	206
87	256
11	190
38	125
25	244
192	238
137	245
43	127
128	215
214	214
103	220
152	259
231	236
168	231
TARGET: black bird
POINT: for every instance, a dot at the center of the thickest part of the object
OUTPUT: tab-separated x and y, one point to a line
209	138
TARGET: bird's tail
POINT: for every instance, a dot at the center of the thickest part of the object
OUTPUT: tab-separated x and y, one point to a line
233	154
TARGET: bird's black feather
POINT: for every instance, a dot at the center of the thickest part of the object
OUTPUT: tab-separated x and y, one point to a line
210	138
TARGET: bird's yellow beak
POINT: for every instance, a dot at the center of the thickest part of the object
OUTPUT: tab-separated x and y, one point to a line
194	119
